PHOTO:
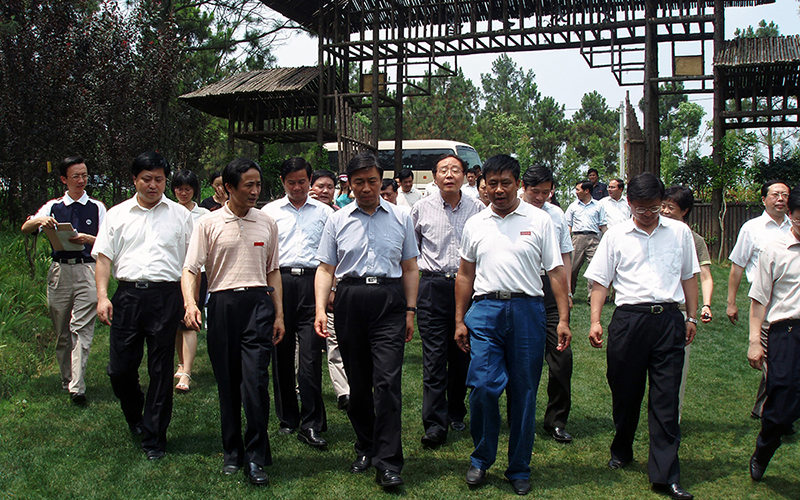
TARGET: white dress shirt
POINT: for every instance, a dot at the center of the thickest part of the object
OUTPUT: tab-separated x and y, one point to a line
145	244
505	249
643	267
585	217
299	230
753	237
616	210
470	190
560	225
776	284
408	199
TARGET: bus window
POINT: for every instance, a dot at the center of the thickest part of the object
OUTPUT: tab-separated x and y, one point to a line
469	155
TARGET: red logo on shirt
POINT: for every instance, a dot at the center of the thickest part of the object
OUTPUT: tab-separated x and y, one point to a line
524	233
258	244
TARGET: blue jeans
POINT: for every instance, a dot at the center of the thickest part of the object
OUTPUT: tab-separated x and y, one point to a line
507	339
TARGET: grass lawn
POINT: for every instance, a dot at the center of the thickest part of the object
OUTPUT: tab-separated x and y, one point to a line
52	449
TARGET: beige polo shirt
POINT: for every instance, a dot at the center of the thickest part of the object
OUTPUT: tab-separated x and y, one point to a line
776	284
236	251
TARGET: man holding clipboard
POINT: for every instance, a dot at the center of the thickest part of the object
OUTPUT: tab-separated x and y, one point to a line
71	292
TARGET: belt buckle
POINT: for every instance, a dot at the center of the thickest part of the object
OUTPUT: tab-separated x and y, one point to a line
504	295
450	276
72	261
371	280
142	285
656	309
296	271
240	289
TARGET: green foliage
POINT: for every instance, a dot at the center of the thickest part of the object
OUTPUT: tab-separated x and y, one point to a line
763	30
785	168
447	113
594	134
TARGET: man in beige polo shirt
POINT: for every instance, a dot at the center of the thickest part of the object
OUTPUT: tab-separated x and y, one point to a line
239	247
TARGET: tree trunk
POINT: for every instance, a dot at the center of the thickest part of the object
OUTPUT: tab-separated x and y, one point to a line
716	226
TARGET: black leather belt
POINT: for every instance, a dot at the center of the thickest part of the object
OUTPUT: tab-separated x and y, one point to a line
593	233
652	308
501	296
267	289
146	285
434	274
74	260
298	271
370	280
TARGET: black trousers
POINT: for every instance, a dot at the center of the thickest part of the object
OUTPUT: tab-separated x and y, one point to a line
370	326
444	365
239	347
641	346
145	315
299	312
782	406
559	366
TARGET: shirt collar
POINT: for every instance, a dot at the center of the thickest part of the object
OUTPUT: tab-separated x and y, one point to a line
284	202
229	216
769	220
586	204
67	200
382	204
135	200
457	205
520	210
632	227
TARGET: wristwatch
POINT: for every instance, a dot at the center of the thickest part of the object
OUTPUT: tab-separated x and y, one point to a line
692	320
411	309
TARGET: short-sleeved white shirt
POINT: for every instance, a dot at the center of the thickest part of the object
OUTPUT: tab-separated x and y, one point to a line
616	210
753	237
506	249
300	230
776	284
643	267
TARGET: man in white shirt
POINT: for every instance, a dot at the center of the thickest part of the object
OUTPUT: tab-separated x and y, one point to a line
755	235
502	249
408	194
143	242
652	263
616	207
586	219
471	187
300	220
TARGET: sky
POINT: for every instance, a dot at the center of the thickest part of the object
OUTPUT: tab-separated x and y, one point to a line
564	75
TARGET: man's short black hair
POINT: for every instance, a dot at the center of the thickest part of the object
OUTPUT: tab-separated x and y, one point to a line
501	163
68	162
367	159
389	182
185	178
620	183
536	175
768	184
406	173
585	184
475	169
150	161
232	173
681	196
592	170
794	199
645	186
295	164
436	164
319	174
213	176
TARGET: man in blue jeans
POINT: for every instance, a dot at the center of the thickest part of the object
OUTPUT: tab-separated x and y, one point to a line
505	328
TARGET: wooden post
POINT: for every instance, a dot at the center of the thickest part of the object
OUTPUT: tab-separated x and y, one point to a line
231	120
376	73
652	136
719	127
398	111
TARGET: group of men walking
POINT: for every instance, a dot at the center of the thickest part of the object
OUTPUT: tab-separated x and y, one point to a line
491	290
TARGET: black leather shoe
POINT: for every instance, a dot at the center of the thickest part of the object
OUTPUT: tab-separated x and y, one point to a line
756	469
559	434
433	440
616	463
78	399
256	475
285	431
673	490
312	438
360	464
155	454
388	479
521	486
475	476
137	429
230	469
343	403
458	425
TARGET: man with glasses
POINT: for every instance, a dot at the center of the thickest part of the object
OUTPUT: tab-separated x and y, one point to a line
71	292
755	235
438	223
652	264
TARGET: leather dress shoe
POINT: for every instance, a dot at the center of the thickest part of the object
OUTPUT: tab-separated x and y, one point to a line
360	464
155	454
78	399
458	425
230	469
343	402
560	434
311	438
433	439
521	486
616	463
388	478
285	431
256	475
756	469
673	490
475	476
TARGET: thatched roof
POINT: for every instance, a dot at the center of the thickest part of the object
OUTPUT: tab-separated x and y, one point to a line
760	66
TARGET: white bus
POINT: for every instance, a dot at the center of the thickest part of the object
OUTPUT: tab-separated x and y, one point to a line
418	155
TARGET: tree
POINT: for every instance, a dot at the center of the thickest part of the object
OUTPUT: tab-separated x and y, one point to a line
447	113
594	134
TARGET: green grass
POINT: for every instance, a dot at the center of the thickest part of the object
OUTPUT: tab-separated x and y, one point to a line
52	449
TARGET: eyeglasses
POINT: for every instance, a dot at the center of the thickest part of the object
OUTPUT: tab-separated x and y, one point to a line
453	170
79	177
655	210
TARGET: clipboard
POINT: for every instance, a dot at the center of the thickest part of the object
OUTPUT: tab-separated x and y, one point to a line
59	237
